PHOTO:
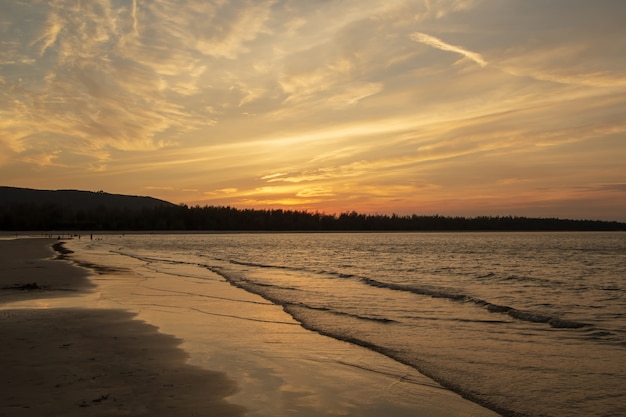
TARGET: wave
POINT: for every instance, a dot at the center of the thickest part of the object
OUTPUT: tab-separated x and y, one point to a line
612	288
528	316
523	315
193	294
258	265
519	278
292	268
255	287
341	313
411	361
458	320
210	313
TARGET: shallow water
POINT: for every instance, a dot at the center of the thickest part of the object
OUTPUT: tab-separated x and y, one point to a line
522	323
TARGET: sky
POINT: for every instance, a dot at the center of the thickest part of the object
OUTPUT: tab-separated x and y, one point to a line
449	107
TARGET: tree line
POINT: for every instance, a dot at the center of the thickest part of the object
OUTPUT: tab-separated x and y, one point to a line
47	216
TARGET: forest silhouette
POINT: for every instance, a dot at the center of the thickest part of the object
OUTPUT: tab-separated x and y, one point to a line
30	216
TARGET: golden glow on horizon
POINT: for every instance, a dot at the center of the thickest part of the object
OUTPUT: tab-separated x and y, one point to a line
429	107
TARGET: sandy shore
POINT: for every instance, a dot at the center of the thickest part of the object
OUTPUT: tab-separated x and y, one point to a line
96	362
76	341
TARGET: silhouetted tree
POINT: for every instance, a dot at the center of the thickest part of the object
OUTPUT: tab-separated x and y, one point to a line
50	216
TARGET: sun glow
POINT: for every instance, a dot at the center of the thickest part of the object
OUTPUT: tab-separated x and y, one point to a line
407	107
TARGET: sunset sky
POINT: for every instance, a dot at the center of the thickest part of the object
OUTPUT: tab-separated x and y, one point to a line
451	107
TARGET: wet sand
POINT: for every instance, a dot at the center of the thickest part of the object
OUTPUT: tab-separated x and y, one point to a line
96	362
73	344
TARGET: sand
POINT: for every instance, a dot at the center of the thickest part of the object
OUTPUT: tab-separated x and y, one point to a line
79	338
96	362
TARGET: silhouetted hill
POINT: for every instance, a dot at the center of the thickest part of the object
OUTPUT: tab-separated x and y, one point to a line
79	200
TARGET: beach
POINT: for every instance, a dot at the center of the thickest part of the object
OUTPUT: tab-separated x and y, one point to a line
76	342
81	361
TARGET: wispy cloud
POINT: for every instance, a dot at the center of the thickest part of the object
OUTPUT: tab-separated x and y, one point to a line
539	63
229	38
343	105
97	95
438	9
315	192
439	44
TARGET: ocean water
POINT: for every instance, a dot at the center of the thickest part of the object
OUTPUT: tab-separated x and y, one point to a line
525	324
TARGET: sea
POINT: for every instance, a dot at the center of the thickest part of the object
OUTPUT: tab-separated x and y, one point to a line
524	323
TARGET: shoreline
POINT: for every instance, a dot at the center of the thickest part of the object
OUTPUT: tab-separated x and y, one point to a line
220	357
73	361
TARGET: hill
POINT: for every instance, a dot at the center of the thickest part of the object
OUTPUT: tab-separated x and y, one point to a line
28	209
78	200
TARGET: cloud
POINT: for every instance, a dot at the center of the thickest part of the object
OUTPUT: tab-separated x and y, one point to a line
319	100
439	44
156	187
273	177
88	91
355	93
242	25
49	33
619	187
438	9
316	192
41	159
562	64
